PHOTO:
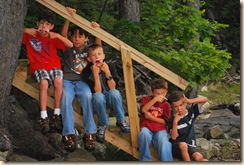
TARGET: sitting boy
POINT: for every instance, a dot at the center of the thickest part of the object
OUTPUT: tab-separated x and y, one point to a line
156	113
102	79
181	125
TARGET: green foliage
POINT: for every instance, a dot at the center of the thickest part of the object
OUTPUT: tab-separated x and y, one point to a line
220	92
175	35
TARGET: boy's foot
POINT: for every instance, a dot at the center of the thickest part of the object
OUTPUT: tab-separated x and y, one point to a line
124	127
57	123
69	142
100	135
44	125
89	142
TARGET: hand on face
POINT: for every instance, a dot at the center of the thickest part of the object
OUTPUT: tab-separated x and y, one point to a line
160	98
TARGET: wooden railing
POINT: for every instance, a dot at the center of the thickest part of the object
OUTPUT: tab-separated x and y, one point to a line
128	54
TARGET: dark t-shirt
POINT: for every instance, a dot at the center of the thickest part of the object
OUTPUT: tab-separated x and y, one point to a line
74	61
186	132
87	76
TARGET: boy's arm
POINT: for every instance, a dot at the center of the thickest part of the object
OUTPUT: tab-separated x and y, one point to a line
147	106
174	133
97	83
66	41
110	82
199	100
30	31
149	116
65	28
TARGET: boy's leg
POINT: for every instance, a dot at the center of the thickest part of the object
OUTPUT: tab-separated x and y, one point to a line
84	95
43	94
144	140
44	80
67	113
184	151
114	101
163	146
58	82
99	106
67	107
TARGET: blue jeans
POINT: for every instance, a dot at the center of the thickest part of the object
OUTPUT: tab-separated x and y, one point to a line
160	141
111	99
82	91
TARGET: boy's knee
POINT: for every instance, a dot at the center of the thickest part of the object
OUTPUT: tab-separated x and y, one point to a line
43	84
183	146
197	156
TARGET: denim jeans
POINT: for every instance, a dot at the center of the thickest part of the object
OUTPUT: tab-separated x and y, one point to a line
111	99
160	141
82	91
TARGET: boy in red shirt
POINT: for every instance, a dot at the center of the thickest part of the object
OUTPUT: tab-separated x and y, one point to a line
156	113
45	65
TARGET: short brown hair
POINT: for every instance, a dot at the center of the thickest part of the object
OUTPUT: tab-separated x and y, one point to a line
175	96
158	84
93	47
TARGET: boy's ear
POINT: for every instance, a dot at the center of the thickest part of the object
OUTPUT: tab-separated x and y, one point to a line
52	26
88	58
86	39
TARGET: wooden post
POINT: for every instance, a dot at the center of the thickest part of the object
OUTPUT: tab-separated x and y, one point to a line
131	98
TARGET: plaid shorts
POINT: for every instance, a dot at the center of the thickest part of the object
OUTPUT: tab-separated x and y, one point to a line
42	74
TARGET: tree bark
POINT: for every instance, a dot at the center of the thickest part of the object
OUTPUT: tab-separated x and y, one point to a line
129	10
12	14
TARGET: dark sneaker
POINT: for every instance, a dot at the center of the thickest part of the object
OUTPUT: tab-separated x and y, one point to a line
89	142
57	123
69	142
100	135
45	125
124	127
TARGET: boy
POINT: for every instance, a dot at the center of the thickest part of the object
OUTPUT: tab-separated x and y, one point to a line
45	66
155	114
103	81
181	125
74	62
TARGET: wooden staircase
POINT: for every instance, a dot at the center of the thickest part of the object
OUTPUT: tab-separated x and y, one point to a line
126	142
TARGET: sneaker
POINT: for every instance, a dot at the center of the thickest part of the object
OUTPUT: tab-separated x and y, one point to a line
124	127
69	142
89	142
44	125
57	123
100	135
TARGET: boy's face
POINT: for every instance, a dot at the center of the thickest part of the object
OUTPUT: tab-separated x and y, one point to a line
96	56
180	107
78	39
44	27
161	91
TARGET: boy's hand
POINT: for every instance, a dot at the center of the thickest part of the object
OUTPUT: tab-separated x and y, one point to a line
160	98
95	69
31	31
95	25
148	115
104	67
53	35
177	118
71	10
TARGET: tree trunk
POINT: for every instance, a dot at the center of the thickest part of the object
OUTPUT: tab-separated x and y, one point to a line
12	14
129	10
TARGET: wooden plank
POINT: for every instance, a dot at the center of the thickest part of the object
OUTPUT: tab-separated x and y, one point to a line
131	97
116	43
19	82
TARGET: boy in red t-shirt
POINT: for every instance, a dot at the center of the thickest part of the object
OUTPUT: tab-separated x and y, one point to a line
45	65
156	112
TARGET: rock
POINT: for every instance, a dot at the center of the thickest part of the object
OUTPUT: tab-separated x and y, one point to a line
80	155
206	148
213	133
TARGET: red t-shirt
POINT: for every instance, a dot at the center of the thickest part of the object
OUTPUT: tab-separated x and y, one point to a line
159	110
42	52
